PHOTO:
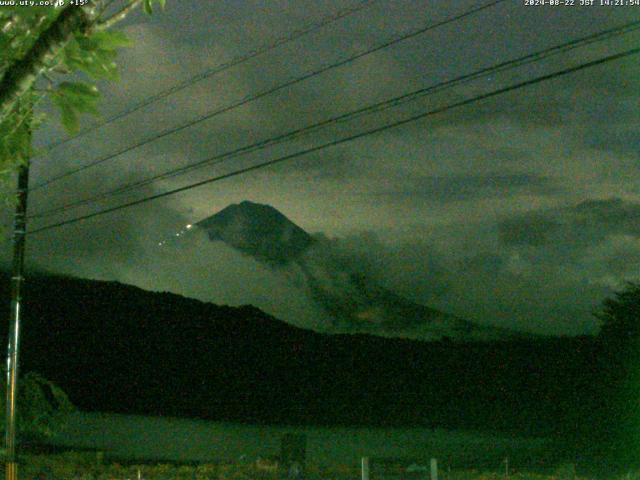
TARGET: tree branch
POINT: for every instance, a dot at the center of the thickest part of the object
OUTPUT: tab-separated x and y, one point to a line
20	76
118	16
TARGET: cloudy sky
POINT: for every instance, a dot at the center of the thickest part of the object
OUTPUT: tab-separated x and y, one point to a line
522	210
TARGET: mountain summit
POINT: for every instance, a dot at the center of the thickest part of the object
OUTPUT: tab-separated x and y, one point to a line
259	231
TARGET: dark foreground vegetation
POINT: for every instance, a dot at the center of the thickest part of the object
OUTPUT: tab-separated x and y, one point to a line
86	466
117	348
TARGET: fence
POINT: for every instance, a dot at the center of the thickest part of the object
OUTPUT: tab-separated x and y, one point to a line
399	469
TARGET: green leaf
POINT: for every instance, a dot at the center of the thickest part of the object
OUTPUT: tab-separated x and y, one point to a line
104	40
81	96
110	39
73	98
19	31
37	120
71	57
15	144
93	55
68	115
85	54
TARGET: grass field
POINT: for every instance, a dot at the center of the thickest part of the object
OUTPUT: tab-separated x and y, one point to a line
183	440
88	466
162	448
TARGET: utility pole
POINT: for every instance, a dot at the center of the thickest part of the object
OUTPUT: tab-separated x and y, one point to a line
17	279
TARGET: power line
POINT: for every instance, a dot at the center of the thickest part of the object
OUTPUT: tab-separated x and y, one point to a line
269	91
266	92
500	67
500	91
296	34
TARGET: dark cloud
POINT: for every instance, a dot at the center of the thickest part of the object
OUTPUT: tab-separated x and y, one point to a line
466	187
535	230
587	223
544	271
476	211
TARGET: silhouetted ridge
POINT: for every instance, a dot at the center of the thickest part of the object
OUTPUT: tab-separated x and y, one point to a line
114	347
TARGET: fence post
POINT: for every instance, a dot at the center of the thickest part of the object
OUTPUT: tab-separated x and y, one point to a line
434	469
365	468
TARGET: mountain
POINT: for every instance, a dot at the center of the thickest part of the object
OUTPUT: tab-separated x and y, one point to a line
258	230
116	348
349	300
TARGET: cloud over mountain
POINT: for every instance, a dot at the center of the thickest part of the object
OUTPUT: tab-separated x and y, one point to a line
348	298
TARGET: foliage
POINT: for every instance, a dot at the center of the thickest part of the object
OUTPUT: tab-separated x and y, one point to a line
40	404
20	29
73	98
15	141
620	315
67	78
82	465
619	373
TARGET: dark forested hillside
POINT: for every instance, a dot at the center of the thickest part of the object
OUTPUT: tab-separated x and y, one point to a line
118	348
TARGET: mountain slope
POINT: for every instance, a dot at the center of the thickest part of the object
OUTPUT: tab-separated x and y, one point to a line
351	301
257	230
